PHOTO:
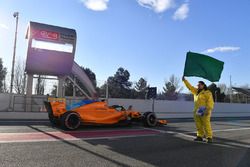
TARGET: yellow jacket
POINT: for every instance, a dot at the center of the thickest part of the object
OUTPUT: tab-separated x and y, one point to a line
204	98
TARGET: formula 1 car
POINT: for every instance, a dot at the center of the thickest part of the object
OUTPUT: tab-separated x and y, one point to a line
94	112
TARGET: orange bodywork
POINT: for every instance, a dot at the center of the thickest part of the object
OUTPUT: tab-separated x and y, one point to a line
58	106
162	122
94	113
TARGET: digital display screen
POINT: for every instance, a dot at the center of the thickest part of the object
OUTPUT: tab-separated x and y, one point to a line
52	46
51	49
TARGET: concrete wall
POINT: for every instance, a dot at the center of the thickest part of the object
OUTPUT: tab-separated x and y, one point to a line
163	108
183	109
4	101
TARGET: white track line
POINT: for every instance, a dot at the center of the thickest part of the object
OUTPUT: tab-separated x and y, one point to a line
76	139
75	132
229	130
226	144
226	130
172	132
233	123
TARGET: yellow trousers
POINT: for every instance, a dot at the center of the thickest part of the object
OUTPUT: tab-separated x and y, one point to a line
203	125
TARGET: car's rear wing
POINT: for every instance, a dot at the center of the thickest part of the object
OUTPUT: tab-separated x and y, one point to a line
55	106
48	107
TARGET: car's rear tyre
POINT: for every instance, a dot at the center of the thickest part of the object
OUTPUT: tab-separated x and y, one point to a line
54	121
70	120
149	119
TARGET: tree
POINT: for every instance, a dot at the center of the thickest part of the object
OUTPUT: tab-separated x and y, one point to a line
226	91
172	88
189	97
5	87
101	91
19	79
40	85
91	75
141	85
119	84
54	91
216	91
223	88
141	88
68	88
3	72
160	96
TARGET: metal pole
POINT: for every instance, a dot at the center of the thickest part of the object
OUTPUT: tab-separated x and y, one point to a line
231	90
38	89
74	88
153	105
16	15
216	98
24	83
107	92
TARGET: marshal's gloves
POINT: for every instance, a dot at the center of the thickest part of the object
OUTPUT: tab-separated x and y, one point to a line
201	111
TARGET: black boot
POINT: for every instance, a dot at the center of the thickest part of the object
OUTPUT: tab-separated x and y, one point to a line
198	139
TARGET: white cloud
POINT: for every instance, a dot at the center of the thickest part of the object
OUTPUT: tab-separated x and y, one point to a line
157	5
182	12
96	5
222	49
4	26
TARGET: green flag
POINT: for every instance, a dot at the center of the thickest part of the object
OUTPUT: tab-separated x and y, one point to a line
200	65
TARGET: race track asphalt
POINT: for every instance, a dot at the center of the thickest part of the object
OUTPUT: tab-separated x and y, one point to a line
171	145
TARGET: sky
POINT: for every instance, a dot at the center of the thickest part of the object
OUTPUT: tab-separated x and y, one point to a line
149	38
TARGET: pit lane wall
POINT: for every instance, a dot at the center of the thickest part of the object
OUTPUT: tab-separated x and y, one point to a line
163	108
5	99
183	109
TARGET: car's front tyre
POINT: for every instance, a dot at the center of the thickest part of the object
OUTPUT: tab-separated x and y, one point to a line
149	119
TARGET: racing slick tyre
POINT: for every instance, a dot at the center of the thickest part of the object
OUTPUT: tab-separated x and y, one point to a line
70	120
54	121
149	119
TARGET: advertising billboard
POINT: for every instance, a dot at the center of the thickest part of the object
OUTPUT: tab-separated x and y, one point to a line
51	49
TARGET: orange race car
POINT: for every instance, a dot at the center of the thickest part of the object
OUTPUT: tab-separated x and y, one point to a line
94	112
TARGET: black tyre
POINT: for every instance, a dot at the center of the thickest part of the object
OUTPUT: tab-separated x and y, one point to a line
70	120
54	121
149	119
